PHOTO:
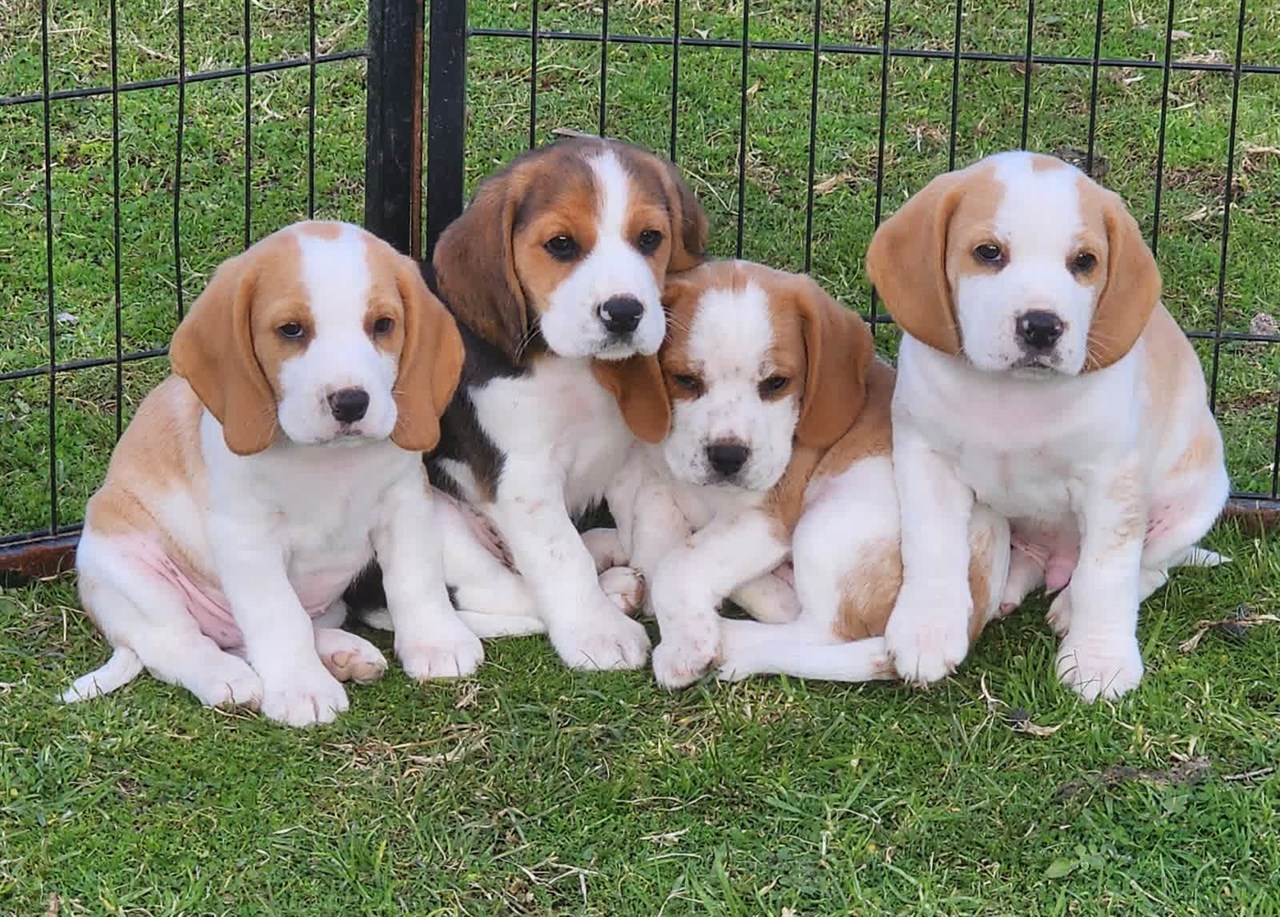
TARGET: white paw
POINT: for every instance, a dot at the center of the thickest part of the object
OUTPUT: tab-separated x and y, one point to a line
1059	613
625	588
455	654
684	657
604	640
231	683
928	636
348	657
301	699
1100	668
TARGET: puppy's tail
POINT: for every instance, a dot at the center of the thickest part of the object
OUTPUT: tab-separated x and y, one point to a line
122	668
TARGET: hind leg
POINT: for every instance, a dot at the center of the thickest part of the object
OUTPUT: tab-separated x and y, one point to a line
349	657
135	607
1025	575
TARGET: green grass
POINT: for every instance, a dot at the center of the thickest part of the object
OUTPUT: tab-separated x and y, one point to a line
537	790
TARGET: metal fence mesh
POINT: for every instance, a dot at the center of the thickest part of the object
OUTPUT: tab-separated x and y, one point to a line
145	142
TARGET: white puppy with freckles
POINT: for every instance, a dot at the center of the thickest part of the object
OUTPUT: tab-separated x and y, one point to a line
778	449
254	484
1040	376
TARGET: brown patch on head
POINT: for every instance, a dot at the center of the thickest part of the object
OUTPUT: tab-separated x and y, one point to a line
1127	275
405	319
230	347
1043	163
530	224
869	590
327	230
909	260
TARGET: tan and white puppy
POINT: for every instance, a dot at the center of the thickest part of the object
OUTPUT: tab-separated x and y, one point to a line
554	273
778	448
1041	376
255	483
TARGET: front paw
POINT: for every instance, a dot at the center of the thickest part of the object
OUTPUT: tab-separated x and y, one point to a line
605	640
681	659
303	699
928	634
455	654
1102	667
625	588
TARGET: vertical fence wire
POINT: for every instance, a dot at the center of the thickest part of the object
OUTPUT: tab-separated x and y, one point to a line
742	128
1226	209
177	158
955	85
1094	67
604	65
813	134
1027	64
48	267
248	129
115	215
675	78
880	138
311	109
533	76
1161	132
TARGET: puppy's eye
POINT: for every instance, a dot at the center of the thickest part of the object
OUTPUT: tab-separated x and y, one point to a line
648	241
383	325
773	385
989	253
1084	262
687	383
562	248
293	331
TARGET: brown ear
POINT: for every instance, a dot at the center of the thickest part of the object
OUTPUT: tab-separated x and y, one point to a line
636	384
430	362
213	350
688	219
1132	290
907	264
839	351
475	268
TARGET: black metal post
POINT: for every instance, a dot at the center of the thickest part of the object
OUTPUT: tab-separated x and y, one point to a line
393	126
446	115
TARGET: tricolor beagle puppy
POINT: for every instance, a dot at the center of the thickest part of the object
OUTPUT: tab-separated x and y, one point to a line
779	447
555	273
1041	376
255	483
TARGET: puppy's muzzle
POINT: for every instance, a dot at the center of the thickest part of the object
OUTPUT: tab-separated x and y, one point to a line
1039	330
348	404
727	457
621	314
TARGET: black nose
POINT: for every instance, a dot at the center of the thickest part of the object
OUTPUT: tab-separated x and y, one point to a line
348	404
621	314
1039	329
727	458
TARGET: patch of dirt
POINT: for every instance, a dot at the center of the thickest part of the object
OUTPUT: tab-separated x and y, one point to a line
1184	773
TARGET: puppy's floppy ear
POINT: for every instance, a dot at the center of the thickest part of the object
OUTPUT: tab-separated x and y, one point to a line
475	267
213	351
838	352
688	219
907	264
430	362
636	384
1132	290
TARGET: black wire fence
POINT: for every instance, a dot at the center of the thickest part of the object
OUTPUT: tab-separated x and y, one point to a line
800	124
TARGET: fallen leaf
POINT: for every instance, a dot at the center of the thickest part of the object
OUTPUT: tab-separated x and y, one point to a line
1179	35
1235	625
827	185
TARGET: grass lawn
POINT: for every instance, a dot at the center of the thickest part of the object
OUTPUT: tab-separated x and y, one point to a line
536	790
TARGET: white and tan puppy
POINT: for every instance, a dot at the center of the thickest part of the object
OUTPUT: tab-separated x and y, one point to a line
778	448
255	483
1041	376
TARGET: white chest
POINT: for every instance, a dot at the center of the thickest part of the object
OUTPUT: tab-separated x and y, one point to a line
557	420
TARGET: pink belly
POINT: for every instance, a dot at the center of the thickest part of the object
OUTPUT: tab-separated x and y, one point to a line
207	604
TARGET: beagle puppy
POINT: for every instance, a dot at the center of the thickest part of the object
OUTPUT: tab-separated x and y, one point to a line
253	484
779	447
555	274
1040	376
